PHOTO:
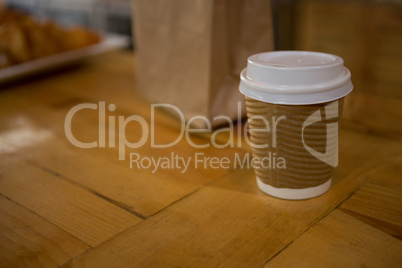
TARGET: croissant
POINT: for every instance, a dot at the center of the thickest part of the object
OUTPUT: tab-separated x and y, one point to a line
24	38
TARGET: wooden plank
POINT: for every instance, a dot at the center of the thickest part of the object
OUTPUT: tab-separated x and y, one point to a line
389	174
357	149
49	105
139	191
85	128
100	170
136	189
340	240
229	223
84	215
27	240
44	108
379	201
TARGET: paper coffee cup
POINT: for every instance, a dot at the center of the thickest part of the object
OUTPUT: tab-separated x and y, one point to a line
294	103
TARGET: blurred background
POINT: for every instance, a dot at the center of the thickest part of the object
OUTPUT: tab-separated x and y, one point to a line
112	16
367	34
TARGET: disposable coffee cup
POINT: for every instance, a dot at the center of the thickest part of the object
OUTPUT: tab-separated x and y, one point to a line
294	103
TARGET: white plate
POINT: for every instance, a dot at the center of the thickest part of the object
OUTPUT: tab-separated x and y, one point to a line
109	42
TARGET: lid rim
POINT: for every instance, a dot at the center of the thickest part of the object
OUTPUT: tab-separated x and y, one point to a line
283	89
304	99
337	62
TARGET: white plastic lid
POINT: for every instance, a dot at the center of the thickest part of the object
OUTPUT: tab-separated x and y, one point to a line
295	77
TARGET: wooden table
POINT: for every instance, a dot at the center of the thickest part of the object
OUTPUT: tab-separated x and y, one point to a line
61	205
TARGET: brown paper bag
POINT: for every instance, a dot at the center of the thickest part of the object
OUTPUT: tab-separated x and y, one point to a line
190	52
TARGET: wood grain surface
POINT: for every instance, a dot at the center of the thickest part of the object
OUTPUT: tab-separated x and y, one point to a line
61	205
352	244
